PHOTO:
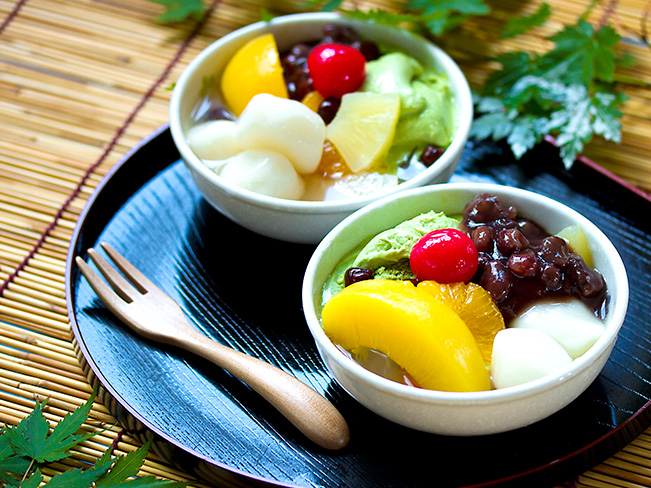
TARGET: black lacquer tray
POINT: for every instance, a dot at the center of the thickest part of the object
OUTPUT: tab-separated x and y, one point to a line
244	290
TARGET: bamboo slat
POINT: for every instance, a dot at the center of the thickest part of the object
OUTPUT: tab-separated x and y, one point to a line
82	82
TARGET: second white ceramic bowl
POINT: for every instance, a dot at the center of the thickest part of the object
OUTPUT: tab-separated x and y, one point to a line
292	220
474	413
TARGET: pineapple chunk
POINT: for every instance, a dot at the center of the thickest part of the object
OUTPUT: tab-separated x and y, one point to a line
363	129
578	243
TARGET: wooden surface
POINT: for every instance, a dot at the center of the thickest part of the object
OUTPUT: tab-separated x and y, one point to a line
81	82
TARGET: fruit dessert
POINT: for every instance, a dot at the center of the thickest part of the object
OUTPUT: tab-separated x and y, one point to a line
332	119
485	300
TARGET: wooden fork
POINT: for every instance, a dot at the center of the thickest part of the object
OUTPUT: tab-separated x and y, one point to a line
154	315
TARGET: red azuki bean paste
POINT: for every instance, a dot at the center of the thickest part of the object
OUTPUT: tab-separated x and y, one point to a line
520	262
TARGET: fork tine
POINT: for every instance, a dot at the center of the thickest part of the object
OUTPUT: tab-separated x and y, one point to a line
130	271
101	288
121	286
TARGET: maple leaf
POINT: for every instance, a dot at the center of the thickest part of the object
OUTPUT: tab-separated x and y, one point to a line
519	25
381	16
442	15
28	444
33	481
435	16
180	10
30	433
124	466
606	115
515	65
11	465
30	437
581	55
76	478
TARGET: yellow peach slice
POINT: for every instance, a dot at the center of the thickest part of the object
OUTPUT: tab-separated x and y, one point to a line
410	326
255	68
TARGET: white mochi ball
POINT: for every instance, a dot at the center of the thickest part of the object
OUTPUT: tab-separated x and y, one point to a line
523	355
285	126
213	140
263	171
571	324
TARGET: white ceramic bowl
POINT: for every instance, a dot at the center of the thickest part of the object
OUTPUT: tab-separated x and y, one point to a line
291	220
474	413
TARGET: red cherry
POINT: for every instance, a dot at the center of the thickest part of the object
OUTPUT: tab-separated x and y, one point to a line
445	256
336	69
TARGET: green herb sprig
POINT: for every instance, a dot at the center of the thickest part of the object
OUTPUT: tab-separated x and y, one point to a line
568	92
27	447
424	16
180	10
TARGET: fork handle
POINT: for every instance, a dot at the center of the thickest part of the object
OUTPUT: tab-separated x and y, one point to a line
310	412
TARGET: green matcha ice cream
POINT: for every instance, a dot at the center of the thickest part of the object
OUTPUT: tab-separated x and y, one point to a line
427	114
387	254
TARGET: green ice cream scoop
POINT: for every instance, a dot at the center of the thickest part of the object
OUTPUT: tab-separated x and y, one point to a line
394	245
387	254
427	114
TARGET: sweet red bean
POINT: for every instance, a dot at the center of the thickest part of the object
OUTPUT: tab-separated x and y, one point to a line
551	277
510	241
353	275
482	236
524	264
554	250
497	281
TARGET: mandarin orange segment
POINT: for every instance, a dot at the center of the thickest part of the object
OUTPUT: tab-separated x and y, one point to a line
313	100
332	164
474	306
411	327
255	68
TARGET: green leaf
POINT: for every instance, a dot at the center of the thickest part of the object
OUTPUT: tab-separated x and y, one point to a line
29	435
325	5
7	479
527	132
567	92
14	465
6	448
180	10
265	15
381	16
494	125
29	441
33	481
62	437
605	60
574	123
606	115
75	478
152	482
515	65
443	15
535	95
519	25
581	55
125	466
470	7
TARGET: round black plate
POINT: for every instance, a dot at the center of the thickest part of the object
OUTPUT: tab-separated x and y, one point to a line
244	290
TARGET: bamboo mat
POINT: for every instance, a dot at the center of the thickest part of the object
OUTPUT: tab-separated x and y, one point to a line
81	82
